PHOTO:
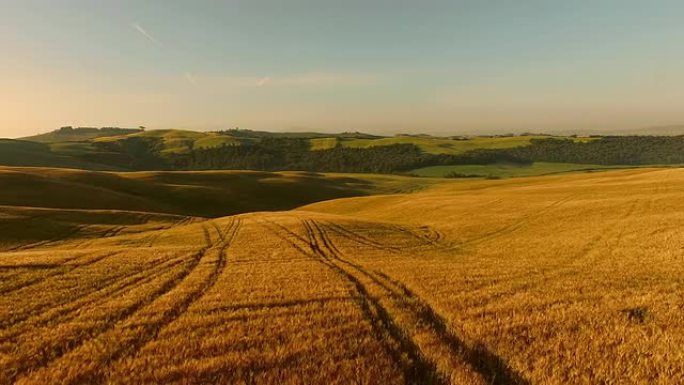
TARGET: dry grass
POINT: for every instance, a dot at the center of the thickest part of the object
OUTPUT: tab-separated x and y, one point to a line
555	280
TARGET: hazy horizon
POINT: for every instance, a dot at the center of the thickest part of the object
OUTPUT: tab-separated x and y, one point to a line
386	67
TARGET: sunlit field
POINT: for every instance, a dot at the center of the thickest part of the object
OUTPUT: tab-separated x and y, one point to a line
567	279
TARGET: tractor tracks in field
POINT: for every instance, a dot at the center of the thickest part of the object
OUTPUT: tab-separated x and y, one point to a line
609	236
54	240
156	234
360	239
517	225
67	309
415	336
132	327
403	350
51	352
205	282
70	269
427	237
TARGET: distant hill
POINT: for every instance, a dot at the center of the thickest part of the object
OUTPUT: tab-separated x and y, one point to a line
25	153
126	149
659	130
111	148
669	130
70	134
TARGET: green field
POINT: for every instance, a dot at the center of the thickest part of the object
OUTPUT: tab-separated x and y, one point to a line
506	170
323	143
436	145
179	141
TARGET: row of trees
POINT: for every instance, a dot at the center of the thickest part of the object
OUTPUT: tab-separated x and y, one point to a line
295	154
271	154
613	150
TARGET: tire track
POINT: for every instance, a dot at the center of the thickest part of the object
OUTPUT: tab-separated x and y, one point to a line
65	236
402	350
8	290
151	331
513	227
423	238
428	324
565	266
360	239
154	236
44	357
119	285
129	335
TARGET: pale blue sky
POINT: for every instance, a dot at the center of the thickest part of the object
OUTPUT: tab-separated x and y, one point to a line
378	66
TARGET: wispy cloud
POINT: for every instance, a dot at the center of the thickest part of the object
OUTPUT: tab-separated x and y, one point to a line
144	32
190	78
262	82
321	79
305	80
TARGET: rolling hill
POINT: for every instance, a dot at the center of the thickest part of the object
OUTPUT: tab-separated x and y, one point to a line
42	204
202	193
135	149
544	280
113	149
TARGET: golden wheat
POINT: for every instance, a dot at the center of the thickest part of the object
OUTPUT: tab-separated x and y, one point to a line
555	280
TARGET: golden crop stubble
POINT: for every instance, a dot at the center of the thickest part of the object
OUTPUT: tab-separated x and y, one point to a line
42	338
274	316
577	283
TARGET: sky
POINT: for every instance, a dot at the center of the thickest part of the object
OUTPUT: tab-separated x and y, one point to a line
380	66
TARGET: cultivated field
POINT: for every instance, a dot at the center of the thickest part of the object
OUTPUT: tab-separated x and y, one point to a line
569	279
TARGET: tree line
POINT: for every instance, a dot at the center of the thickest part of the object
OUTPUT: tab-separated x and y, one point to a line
273	154
610	150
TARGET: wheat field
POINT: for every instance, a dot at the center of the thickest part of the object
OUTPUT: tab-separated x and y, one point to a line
569	279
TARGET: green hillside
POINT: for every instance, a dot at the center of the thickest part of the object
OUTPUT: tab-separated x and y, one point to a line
436	145
424	155
178	141
70	134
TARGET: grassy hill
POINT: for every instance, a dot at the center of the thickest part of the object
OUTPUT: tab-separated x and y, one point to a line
174	142
444	146
179	141
436	145
422	155
79	134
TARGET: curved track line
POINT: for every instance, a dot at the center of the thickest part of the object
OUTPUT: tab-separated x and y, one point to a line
38	280
136	337
401	349
515	226
492	368
115	287
45	357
